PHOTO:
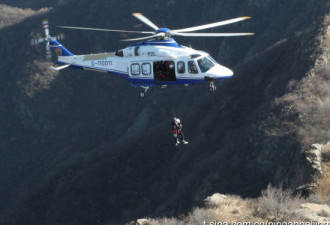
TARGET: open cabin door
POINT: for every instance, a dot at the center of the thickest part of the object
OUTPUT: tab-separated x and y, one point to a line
164	71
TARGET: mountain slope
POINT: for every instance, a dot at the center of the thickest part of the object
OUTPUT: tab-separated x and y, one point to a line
82	148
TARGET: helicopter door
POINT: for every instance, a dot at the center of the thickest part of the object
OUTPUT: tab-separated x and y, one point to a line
164	71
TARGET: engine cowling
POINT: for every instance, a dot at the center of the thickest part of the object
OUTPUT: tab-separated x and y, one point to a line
146	51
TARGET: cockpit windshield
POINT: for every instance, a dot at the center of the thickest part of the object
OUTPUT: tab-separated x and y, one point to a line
213	60
205	64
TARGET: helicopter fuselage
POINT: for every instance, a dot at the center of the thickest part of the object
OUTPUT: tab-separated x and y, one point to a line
152	63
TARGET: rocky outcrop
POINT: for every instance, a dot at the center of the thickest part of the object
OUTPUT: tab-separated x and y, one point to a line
142	222
313	168
214	200
314	212
313	156
325	155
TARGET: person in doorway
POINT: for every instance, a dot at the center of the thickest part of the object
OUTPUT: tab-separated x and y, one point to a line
176	130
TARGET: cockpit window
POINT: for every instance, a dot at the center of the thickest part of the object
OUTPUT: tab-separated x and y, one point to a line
213	60
205	64
192	67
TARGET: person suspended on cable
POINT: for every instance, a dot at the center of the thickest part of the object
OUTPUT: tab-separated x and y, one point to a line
176	130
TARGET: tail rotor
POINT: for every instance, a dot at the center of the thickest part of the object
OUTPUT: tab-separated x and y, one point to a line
37	40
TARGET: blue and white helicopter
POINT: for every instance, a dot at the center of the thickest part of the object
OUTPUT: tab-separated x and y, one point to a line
160	60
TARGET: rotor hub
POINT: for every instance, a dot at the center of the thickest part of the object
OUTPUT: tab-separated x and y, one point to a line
166	33
47	38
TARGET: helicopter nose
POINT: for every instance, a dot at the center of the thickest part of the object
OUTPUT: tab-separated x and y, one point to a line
224	72
220	72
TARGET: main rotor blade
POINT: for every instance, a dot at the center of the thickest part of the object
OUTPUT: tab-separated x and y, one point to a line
216	24
142	38
60	37
211	34
111	30
145	20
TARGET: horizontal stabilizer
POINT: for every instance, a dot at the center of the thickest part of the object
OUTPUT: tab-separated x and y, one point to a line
59	68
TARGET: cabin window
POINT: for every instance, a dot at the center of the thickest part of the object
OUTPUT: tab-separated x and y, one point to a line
135	69
181	67
146	68
119	53
192	67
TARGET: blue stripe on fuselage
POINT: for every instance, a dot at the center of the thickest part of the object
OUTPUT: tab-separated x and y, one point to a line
144	81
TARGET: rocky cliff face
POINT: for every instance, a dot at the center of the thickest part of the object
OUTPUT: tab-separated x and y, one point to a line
274	205
82	148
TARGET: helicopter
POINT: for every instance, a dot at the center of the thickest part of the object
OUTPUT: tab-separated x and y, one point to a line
159	60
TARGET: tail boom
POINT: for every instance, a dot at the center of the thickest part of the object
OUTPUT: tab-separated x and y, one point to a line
59	49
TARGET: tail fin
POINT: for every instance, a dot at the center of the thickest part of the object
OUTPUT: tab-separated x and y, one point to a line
59	49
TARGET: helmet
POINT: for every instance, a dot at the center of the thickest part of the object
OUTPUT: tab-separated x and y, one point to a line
177	120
